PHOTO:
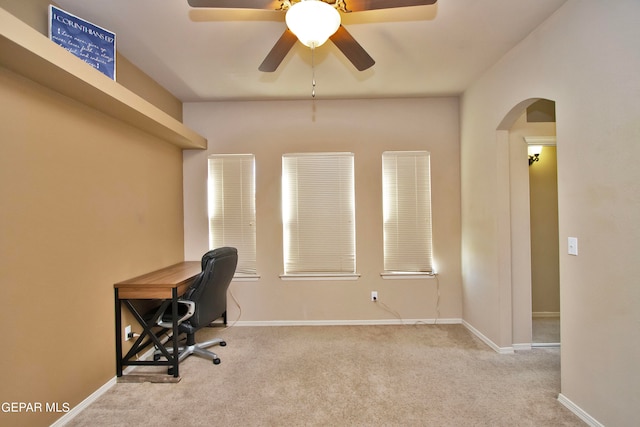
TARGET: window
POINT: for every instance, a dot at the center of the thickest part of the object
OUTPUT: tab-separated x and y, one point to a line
318	214
232	211
407	212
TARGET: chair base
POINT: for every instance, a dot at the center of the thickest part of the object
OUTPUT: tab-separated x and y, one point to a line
197	349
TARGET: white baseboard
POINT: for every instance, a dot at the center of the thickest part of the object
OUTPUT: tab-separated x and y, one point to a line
96	394
546	345
522	347
545	314
348	322
578	411
82	405
487	341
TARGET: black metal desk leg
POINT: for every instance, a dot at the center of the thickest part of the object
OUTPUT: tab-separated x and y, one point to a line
174	312
118	334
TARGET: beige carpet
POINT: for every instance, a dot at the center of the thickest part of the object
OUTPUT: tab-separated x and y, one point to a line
546	329
420	375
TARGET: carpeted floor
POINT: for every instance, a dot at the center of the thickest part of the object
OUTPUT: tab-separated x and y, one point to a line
420	375
546	329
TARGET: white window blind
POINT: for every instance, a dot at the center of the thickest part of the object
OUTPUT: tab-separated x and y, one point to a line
232	211
318	213
407	211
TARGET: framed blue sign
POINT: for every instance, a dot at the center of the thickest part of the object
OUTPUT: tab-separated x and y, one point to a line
94	45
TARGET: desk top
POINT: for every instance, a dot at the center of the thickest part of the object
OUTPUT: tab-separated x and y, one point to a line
159	283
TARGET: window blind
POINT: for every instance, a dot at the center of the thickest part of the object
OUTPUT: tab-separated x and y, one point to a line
318	213
407	211
232	212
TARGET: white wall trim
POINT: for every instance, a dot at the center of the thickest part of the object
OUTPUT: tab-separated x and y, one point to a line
63	420
329	276
522	347
487	341
546	345
99	392
578	411
452	321
545	314
406	275
245	277
540	140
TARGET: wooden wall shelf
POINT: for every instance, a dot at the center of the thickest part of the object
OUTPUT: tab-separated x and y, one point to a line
32	55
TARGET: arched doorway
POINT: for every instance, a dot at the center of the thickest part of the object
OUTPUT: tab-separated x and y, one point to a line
533	224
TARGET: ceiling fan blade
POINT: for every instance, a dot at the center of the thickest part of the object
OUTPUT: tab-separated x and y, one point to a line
360	5
352	49
278	52
236	4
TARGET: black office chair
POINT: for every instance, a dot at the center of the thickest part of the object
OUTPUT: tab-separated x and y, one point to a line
204	302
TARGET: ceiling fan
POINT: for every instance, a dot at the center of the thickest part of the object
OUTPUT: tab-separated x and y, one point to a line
318	8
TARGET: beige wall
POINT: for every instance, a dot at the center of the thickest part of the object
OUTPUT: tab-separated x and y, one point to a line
367	128
86	201
131	77
592	76
35	13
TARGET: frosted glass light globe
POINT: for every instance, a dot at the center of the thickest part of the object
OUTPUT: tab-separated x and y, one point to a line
312	21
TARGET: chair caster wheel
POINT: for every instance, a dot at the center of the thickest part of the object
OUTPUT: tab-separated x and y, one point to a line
170	371
223	343
216	361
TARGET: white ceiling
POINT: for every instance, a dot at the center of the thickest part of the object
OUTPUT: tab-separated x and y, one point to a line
214	54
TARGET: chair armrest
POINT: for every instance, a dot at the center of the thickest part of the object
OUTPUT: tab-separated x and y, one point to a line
185	310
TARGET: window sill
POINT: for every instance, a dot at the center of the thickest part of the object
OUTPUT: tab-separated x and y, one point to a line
327	276
246	278
407	275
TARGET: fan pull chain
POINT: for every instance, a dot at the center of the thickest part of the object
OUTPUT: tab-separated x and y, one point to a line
313	73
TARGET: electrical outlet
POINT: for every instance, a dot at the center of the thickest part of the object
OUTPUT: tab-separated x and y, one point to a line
374	296
127	333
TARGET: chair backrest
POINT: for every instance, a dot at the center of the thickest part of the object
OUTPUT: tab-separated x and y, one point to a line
209	289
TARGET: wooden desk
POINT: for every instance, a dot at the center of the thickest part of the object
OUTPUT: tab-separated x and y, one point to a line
166	284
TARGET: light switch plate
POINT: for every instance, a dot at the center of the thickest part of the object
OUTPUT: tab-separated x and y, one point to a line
573	246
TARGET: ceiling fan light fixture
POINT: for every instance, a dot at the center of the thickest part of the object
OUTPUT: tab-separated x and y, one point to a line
312	21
